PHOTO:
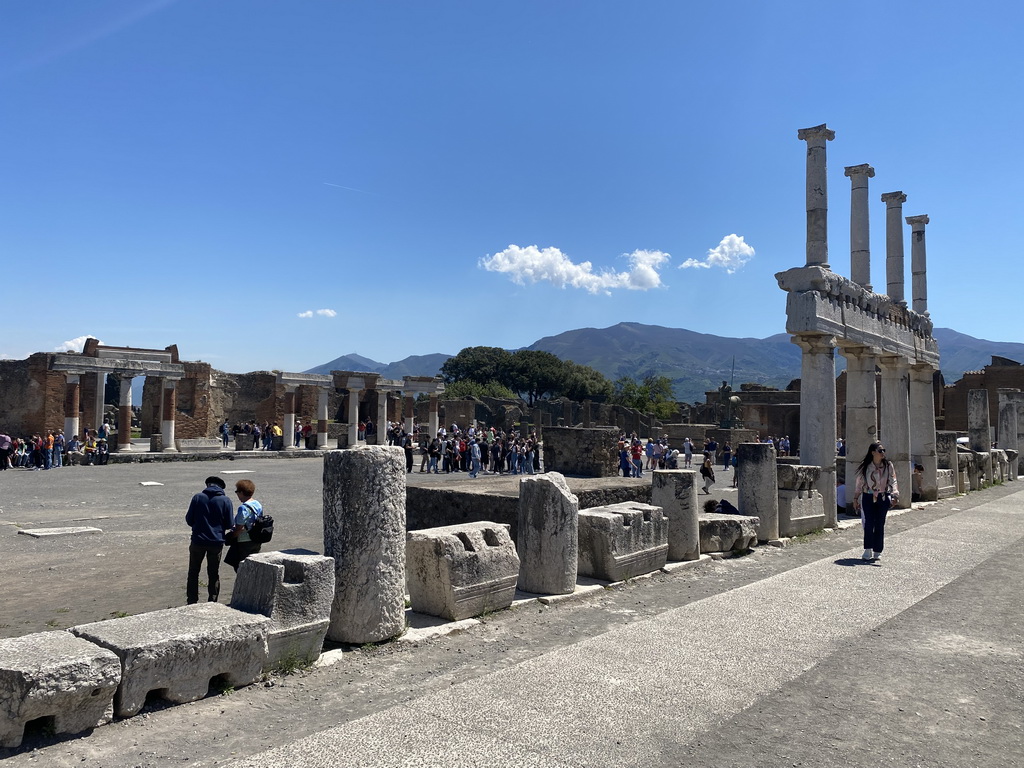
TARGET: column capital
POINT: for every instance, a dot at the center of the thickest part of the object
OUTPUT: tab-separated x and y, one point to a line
893	363
892	199
818	132
859	170
850	349
917	222
815	343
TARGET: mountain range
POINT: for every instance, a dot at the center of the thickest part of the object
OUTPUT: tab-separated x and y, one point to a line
695	362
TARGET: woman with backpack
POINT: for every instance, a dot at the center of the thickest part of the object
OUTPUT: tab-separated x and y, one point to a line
249	510
875	492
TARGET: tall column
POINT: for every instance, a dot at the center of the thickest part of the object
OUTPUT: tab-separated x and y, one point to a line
434	421
353	418
321	419
918	264
289	417
382	417
101	391
1009	400
818	414
860	230
894	425
817	193
922	429
979	427
410	413
169	408
861	410
71	405
124	415
894	245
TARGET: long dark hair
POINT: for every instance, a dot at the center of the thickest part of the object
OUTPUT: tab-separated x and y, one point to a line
868	460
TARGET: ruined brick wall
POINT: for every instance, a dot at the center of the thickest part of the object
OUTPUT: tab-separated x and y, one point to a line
577	451
31	396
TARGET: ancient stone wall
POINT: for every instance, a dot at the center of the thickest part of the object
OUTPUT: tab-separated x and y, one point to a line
576	451
1007	374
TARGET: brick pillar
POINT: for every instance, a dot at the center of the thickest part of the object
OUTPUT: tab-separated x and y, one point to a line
71	405
289	417
410	412
124	415
433	416
169	409
321	418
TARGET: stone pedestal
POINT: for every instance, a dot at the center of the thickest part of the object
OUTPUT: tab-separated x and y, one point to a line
979	428
364	531
675	491
622	541
547	535
801	508
757	480
894	424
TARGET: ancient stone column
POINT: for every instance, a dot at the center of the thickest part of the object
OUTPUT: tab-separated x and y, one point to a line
321	418
382	417
124	415
586	415
101	390
364	531
979	429
894	267
675	491
918	264
71	405
817	193
410	412
894	421
818	414
548	535
289	417
861	409
860	244
353	418
758	483
1006	436
433	419
922	429
169	408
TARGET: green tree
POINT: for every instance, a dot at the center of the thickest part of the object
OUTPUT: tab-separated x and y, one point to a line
468	388
479	364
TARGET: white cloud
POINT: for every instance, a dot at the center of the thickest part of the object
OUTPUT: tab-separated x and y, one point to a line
321	312
73	345
534	265
731	254
307	313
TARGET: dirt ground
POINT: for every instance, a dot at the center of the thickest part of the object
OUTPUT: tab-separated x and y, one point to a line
137	565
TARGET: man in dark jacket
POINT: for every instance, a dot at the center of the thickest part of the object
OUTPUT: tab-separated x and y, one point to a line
209	514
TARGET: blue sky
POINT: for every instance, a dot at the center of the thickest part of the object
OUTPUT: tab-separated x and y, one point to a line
272	185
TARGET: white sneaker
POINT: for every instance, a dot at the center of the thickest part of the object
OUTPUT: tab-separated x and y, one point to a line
878	555
868	554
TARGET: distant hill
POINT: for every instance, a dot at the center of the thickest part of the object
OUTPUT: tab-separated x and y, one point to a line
695	362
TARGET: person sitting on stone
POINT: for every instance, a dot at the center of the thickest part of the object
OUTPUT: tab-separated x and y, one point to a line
89	449
241	544
102	451
74	451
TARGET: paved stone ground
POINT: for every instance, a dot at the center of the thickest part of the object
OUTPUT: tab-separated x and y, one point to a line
796	656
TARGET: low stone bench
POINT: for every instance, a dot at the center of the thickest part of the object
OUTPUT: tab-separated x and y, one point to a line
294	590
727	533
178	652
620	541
460	571
56	677
199	445
801	507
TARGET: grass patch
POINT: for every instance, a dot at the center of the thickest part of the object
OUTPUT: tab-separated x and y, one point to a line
292	664
119	614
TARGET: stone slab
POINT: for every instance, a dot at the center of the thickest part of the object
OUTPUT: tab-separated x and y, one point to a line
150	483
622	541
724	533
178	652
422	627
46	533
54	675
199	445
682	565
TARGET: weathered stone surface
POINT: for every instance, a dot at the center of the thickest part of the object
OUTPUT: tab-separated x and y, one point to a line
947	483
978	426
576	451
800	512
178	651
54	674
548	535
364	531
797	477
727	533
199	445
244	442
757	480
461	571
295	591
675	491
622	541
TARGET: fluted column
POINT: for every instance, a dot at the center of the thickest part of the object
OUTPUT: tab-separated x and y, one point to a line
818	414
922	429
918	264
894	267
861	409
169	407
71	405
321	418
124	415
860	229
817	194
894	424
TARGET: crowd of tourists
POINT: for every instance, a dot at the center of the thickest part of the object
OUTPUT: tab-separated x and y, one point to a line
262	434
475	451
54	450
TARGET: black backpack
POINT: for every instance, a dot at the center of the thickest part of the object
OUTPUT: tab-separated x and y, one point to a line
262	530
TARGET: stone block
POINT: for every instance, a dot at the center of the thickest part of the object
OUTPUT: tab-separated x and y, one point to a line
797	477
548	535
621	541
946	481
364	531
58	676
199	445
727	533
177	653
757	477
675	491
244	442
800	512
460	571
294	590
